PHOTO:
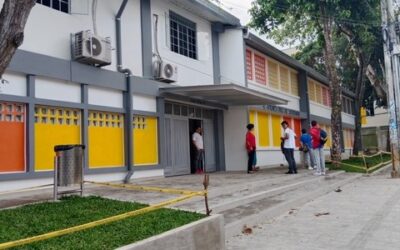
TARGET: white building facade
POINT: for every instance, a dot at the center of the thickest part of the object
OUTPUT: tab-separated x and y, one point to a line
175	65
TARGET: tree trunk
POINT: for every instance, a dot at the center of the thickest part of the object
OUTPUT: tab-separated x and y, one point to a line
13	17
360	89
334	84
361	59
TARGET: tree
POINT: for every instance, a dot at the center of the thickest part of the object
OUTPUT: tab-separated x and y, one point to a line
358	46
13	17
305	21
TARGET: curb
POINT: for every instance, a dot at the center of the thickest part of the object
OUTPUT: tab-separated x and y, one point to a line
204	234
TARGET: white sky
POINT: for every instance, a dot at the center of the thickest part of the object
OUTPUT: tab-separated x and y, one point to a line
240	8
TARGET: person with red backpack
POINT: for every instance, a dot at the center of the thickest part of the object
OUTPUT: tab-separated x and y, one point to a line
318	139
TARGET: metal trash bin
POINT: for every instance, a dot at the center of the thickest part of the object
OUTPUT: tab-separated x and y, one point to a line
68	168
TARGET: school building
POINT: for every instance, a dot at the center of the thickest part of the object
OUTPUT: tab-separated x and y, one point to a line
134	89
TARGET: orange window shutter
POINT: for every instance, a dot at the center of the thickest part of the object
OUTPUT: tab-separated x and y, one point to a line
297	130
249	64
259	66
12	136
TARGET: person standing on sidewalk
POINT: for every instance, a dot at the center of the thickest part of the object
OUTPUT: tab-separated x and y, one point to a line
250	147
318	147
288	139
197	140
308	157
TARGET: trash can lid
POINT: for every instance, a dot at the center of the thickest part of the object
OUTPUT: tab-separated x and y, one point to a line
59	148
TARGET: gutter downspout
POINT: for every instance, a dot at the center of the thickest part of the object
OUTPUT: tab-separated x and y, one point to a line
128	94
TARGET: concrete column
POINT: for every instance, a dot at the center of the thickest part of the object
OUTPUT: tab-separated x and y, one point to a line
219	139
161	132
304	99
147	50
30	124
85	125
216	29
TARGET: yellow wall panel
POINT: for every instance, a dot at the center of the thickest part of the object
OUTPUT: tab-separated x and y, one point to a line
253	120
263	129
145	140
252	115
329	132
363	113
318	93
294	84
106	140
311	90
54	126
276	130
284	76
273	77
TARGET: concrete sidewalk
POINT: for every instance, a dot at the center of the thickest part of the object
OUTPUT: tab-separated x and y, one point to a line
364	215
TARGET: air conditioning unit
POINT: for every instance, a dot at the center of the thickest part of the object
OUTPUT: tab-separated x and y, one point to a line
90	49
165	72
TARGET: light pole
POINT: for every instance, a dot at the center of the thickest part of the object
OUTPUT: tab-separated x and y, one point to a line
391	53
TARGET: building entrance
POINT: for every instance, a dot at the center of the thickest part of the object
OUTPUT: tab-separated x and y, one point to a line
181	122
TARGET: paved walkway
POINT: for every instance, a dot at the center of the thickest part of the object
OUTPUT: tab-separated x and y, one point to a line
364	215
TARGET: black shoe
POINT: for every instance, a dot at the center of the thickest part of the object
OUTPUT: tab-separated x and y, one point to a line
289	172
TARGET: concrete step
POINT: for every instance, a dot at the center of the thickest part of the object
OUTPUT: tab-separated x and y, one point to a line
239	194
275	203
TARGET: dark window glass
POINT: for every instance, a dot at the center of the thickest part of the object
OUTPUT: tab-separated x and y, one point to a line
183	35
60	5
64	7
168	108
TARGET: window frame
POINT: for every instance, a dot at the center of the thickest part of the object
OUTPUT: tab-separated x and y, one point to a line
50	5
189	31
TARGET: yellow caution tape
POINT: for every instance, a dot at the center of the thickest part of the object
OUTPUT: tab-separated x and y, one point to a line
379	165
363	168
146	188
369	156
97	223
346	164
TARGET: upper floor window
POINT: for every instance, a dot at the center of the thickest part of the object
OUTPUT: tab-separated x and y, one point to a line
60	5
183	35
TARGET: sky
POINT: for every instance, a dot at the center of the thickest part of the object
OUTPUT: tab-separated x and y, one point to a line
240	8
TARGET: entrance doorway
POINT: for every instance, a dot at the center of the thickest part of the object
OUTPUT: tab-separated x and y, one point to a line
193	125
180	123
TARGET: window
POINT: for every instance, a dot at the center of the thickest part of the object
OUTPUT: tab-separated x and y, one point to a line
183	35
259	65
249	65
60	5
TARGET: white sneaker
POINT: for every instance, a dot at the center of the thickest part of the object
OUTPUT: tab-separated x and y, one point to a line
317	174
323	173
310	168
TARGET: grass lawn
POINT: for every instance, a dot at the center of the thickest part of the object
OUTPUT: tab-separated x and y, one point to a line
371	162
35	219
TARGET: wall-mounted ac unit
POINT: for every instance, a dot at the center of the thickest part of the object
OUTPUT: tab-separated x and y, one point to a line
90	49
165	72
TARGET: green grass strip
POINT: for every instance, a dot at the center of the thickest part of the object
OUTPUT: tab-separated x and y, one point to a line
357	164
45	217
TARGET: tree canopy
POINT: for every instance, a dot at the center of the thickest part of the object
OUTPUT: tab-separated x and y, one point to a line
351	27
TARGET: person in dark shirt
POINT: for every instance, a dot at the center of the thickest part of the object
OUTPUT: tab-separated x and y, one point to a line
250	147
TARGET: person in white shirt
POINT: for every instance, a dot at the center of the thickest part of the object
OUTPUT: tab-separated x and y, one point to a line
197	140
288	139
